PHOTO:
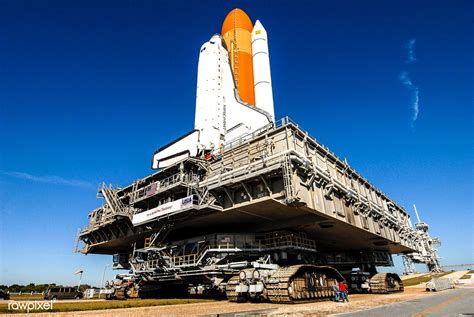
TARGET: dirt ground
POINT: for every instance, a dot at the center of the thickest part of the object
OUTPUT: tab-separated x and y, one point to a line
406	277
323	308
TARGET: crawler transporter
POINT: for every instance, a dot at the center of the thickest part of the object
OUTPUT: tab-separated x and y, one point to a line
246	206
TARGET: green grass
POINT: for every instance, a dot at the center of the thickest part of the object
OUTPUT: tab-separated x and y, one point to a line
113	304
471	272
422	279
26	297
465	277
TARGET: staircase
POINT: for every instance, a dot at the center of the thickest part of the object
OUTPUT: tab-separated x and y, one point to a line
116	207
287	170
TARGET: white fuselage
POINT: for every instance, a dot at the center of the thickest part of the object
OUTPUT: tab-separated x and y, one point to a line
220	114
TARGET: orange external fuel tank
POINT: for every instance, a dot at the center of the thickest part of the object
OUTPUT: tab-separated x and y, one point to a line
237	33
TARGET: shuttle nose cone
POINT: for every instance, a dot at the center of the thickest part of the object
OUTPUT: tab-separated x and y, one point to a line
216	38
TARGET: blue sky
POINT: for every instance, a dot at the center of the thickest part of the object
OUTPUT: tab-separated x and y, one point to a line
89	89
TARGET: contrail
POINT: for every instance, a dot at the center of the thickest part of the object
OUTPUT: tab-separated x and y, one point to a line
50	179
411	51
406	81
416	105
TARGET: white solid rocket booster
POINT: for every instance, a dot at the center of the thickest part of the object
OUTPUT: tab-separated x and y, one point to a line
261	70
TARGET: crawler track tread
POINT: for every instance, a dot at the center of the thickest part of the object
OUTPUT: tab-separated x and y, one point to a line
287	286
231	287
384	283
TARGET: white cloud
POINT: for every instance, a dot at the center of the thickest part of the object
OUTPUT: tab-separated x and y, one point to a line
406	81
49	179
411	51
415	104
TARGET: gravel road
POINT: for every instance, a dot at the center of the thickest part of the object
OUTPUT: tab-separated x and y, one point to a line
224	308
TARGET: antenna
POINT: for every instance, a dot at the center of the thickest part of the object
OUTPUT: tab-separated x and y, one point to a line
416	211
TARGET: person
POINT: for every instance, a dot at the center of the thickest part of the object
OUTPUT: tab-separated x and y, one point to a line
337	293
343	291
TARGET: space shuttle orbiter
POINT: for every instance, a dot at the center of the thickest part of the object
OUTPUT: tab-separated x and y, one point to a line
234	91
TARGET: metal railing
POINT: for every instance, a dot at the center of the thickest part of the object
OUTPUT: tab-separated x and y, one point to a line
288	121
162	185
277	242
